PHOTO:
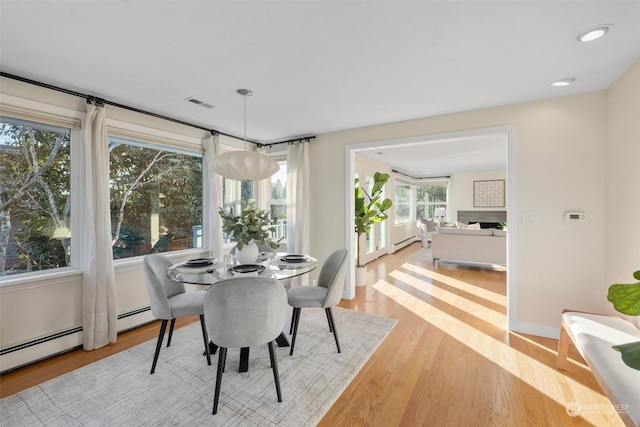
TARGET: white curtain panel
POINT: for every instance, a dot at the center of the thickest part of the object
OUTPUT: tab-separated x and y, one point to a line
298	197
263	187
99	305
211	220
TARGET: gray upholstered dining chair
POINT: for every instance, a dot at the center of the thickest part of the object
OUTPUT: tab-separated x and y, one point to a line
244	312
169	300
325	295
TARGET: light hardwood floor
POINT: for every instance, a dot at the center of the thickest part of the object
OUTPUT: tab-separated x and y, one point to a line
448	362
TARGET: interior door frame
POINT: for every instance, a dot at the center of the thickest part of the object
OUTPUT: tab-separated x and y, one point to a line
512	217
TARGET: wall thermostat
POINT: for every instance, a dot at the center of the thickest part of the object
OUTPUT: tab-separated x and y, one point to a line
574	216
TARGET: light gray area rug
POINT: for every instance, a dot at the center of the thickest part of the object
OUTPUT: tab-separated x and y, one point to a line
119	391
423	254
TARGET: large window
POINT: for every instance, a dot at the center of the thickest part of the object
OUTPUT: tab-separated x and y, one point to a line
156	198
234	195
403	203
237	194
429	197
34	196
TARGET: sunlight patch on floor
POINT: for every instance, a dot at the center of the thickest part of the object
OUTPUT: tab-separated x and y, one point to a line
546	349
539	376
459	284
478	310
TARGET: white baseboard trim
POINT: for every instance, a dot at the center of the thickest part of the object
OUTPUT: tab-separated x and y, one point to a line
41	349
539	330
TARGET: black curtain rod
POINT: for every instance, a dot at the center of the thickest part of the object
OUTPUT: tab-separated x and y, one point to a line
288	141
91	98
419	178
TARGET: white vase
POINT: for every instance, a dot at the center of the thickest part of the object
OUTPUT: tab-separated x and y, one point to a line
248	254
361	276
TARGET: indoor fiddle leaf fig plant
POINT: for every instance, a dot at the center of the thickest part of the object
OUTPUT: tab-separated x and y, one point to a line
370	207
626	299
251	224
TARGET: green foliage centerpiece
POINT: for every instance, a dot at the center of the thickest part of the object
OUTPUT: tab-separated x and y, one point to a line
626	299
370	208
251	225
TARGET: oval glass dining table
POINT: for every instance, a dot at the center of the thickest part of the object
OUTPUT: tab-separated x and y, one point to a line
208	271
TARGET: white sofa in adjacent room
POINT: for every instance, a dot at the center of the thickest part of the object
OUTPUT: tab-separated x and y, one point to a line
488	246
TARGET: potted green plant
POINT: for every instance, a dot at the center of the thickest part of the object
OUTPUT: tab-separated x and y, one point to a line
370	209
626	300
250	228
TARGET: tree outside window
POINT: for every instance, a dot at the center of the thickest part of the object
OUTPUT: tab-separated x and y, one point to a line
34	196
429	197
156	198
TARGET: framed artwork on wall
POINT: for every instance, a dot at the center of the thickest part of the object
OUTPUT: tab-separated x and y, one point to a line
488	194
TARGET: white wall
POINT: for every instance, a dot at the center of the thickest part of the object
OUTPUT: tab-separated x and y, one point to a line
622	185
560	165
461	191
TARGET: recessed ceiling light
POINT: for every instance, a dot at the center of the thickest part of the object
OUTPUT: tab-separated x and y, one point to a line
563	82
594	33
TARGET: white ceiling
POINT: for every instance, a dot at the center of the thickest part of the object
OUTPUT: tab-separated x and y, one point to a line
316	66
443	157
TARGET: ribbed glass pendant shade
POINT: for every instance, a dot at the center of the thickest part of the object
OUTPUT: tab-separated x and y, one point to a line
245	165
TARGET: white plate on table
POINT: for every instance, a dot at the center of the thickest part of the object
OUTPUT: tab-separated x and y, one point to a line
247	268
293	258
199	262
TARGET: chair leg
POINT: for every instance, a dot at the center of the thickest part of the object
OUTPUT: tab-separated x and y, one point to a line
332	326
222	357
205	337
329	321
295	320
173	323
163	328
274	366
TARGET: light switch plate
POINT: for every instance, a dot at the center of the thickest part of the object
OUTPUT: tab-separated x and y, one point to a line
529	217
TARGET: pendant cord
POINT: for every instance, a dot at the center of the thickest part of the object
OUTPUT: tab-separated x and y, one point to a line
245	122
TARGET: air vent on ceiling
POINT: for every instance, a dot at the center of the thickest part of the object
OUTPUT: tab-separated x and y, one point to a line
198	102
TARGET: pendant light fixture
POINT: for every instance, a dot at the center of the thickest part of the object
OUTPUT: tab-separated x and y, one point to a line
245	165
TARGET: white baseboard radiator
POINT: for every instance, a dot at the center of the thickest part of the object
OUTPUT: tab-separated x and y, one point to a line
404	243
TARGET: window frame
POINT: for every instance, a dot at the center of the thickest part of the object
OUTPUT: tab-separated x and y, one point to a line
67	127
411	203
428	205
177	150
134	126
282	160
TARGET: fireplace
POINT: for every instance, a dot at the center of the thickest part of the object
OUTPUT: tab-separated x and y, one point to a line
487	219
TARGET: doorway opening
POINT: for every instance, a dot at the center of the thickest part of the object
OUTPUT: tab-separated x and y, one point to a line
456	144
